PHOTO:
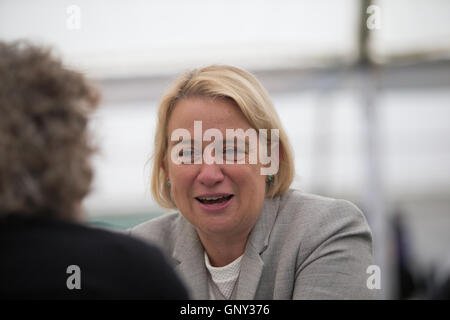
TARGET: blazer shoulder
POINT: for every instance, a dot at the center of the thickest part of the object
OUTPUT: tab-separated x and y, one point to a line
311	207
159	230
318	218
334	241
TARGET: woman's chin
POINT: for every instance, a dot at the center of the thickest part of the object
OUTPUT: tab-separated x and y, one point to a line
216	225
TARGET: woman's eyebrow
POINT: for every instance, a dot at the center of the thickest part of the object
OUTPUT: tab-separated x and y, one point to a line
183	141
226	142
229	142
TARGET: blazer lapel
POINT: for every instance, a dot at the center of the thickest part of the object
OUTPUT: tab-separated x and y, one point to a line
189	255
252	264
251	269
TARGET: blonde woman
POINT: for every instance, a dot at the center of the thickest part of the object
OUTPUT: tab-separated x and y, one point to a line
239	231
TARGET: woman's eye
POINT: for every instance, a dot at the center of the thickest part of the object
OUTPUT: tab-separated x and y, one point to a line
185	153
189	156
235	151
234	154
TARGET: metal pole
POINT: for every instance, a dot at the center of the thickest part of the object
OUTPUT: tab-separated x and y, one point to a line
374	198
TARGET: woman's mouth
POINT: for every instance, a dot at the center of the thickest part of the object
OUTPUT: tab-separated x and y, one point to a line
214	203
214	200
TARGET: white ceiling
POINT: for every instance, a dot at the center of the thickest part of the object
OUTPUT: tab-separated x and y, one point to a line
136	37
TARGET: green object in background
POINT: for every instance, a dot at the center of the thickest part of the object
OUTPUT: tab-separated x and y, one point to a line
120	222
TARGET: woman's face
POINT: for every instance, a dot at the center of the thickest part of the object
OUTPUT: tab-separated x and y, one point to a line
240	188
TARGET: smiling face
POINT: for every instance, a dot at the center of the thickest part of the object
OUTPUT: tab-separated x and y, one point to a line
218	199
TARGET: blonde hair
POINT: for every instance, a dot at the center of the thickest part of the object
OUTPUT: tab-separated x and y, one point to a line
248	95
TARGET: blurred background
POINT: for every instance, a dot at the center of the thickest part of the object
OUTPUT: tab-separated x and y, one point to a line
362	88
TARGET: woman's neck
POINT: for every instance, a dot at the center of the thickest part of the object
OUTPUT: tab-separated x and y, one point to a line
223	250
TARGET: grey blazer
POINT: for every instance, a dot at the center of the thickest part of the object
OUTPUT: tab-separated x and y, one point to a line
303	246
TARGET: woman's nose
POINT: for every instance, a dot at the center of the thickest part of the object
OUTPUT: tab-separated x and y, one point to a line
210	174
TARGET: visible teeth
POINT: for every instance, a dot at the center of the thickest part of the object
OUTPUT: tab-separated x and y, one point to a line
211	198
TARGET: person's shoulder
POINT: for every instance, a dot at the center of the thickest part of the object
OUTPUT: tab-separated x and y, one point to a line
114	244
323	214
116	239
113	264
149	273
156	227
160	230
74	234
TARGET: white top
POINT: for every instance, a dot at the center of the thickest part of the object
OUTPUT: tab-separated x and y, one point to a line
223	279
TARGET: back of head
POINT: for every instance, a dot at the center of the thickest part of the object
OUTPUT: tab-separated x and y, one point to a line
44	146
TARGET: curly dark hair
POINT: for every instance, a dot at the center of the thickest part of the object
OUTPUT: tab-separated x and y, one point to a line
44	143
